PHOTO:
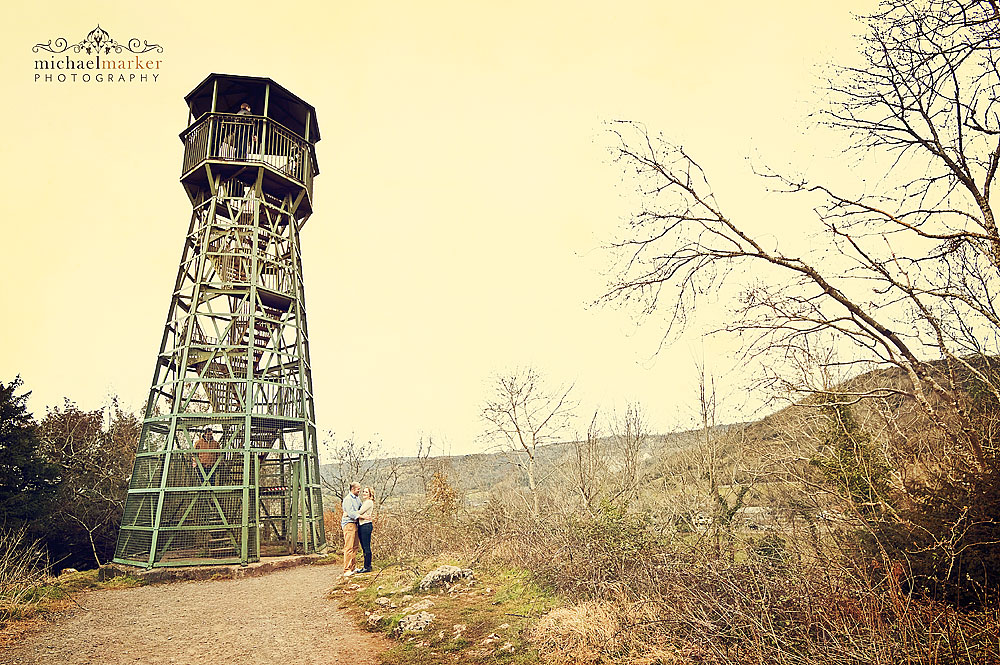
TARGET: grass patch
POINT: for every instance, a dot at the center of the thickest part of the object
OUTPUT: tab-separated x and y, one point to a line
518	593
329	560
482	621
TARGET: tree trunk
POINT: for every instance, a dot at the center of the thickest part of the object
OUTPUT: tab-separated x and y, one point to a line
531	486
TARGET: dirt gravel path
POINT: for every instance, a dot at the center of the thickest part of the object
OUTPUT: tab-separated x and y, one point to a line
282	617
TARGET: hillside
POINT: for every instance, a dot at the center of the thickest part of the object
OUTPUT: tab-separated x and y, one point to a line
476	476
763	454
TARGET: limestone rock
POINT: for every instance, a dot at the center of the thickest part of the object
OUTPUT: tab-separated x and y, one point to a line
444	575
415	622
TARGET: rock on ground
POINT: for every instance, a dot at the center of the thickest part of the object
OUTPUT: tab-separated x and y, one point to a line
444	575
418	621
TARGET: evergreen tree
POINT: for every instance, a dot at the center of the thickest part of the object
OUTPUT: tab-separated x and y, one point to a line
27	482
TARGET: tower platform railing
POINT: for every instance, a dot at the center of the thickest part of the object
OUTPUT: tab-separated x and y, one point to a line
232	137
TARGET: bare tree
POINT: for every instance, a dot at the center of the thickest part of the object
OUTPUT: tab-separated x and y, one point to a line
522	414
914	264
426	465
706	410
360	461
588	466
904	274
629	433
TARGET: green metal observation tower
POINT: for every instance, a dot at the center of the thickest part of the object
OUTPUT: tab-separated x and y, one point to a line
234	357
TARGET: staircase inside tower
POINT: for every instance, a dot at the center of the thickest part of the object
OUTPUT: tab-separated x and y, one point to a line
238	338
249	243
242	366
281	493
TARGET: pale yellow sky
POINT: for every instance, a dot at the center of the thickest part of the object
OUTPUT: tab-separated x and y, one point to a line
465	189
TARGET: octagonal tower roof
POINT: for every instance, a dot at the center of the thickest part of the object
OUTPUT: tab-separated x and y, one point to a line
231	90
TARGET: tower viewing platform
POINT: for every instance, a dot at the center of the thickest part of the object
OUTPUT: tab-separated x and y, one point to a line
238	124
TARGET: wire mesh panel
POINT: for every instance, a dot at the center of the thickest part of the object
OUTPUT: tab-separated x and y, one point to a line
226	468
278	475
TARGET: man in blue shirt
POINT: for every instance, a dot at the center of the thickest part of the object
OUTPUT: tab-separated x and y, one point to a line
349	524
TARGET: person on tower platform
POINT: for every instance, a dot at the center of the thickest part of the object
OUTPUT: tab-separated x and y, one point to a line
243	132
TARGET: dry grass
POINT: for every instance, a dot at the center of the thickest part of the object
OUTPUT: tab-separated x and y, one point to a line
631	592
23	569
822	583
577	633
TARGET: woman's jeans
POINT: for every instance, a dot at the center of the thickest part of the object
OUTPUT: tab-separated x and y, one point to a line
365	536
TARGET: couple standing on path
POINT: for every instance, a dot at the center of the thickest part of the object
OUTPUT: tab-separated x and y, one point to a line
357	526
